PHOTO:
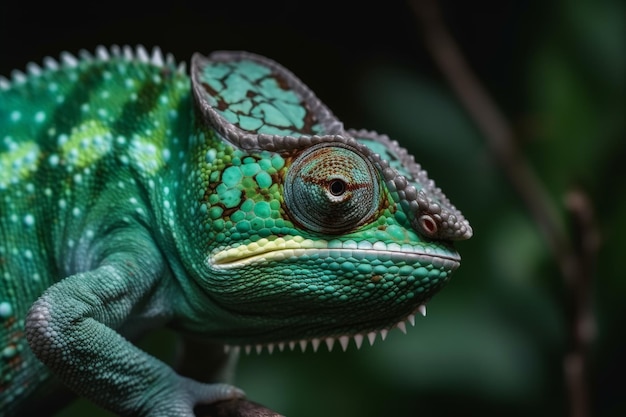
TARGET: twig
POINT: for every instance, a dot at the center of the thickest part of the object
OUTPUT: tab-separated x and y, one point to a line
234	408
575	257
492	123
579	288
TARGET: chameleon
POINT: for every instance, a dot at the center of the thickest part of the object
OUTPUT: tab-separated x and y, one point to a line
225	202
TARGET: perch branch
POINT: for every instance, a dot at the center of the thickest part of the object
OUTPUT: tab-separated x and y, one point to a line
575	256
234	408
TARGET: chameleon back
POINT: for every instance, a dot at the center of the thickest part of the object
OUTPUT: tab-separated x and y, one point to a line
76	137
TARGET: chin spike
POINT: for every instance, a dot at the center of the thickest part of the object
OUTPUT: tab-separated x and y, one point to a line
371	336
344	340
401	326
281	346
411	319
292	345
330	342
315	343
422	309
259	349
248	348
226	349
270	348
383	333
303	345
358	340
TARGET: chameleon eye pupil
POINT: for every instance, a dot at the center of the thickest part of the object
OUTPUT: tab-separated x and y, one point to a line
337	187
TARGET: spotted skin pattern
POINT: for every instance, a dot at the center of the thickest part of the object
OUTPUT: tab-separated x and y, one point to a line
228	204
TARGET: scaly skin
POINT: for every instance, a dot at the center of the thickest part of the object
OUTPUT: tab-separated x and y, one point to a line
230	205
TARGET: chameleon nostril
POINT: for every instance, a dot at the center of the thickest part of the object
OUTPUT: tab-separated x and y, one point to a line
428	225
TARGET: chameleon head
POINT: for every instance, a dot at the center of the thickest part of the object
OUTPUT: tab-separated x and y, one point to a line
312	231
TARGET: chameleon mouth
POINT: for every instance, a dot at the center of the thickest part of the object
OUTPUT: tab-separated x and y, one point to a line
330	341
279	249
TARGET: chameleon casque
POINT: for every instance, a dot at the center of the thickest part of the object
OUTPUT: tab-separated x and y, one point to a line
229	204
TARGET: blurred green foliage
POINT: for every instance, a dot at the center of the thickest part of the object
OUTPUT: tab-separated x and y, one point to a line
493	341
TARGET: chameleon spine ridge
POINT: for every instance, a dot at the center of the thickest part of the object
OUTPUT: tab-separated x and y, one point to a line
102	54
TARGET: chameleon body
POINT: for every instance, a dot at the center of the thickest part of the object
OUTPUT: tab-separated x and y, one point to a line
229	204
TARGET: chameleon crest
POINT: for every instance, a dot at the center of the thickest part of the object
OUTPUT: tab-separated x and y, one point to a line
230	205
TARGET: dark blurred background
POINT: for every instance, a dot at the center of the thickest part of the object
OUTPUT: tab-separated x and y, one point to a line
494	341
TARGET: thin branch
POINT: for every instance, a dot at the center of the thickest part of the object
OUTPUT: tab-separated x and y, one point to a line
576	255
493	125
235	408
579	289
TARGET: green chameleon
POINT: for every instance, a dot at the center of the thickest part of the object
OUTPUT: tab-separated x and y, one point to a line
229	205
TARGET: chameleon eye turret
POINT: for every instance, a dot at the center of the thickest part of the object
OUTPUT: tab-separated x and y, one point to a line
330	188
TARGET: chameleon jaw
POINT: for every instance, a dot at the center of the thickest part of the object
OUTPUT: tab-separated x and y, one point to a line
281	249
329	341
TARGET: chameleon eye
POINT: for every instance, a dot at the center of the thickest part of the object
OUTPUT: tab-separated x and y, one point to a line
332	189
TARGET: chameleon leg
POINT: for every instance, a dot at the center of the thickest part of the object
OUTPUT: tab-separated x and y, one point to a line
71	328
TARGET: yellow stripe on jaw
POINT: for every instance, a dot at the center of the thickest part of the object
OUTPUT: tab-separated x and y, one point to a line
268	249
